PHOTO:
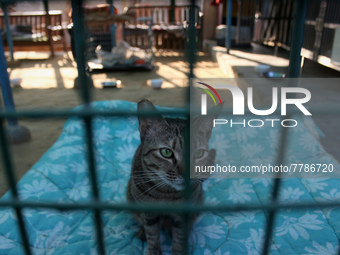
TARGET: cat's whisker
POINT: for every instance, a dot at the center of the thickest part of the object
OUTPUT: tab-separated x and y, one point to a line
151	173
147	178
148	181
151	188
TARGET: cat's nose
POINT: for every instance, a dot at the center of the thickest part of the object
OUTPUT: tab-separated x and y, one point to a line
172	175
179	169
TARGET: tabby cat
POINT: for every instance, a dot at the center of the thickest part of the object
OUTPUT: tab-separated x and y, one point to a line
158	169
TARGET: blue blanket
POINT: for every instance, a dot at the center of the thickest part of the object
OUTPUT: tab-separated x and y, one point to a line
61	176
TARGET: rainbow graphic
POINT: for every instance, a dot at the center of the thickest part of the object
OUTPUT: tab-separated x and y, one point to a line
209	93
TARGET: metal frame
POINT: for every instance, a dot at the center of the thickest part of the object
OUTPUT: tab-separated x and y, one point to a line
322	22
274	27
87	114
244	19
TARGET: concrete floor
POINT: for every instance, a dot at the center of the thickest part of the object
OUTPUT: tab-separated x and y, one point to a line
47	84
322	82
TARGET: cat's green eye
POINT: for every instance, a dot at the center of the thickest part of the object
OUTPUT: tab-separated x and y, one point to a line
198	153
166	153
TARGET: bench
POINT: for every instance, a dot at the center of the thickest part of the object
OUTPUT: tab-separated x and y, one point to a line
33	30
169	26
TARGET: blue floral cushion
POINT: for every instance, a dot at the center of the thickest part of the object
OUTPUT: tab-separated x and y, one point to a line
61	176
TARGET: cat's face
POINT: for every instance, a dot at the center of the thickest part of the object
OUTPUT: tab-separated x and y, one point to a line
164	145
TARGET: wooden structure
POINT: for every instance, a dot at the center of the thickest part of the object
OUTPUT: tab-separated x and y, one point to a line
169	25
35	29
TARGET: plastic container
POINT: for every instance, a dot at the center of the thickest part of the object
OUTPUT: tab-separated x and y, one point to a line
261	69
16	82
155	83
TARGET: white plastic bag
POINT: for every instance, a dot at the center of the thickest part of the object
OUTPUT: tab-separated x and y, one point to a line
107	59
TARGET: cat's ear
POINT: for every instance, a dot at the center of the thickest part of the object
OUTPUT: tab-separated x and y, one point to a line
152	121
204	123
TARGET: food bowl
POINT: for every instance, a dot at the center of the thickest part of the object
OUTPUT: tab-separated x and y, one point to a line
260	69
111	84
16	82
274	75
155	83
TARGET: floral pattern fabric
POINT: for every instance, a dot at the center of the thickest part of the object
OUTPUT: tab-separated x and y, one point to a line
61	176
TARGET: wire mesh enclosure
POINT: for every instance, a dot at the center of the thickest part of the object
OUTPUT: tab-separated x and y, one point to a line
88	114
110	48
274	23
322	24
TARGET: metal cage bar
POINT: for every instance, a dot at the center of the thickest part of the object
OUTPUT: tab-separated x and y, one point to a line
191	56
9	104
87	114
11	180
84	84
297	39
293	72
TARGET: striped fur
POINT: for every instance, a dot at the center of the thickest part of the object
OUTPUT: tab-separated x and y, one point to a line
158	179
